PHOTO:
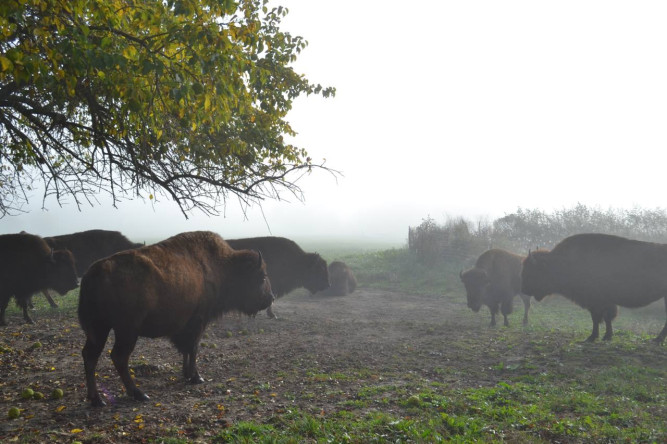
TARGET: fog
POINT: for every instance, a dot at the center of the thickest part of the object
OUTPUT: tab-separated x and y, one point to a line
443	109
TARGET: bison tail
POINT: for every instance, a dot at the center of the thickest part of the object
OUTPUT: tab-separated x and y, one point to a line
88	309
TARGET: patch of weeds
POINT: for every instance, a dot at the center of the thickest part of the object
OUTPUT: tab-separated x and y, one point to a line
328	377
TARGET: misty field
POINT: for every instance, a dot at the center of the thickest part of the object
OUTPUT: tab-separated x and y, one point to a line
400	360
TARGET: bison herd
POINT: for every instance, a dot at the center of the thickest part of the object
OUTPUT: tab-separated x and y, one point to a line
176	287
596	271
172	289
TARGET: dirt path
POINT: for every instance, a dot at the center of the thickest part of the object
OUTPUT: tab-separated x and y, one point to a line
316	357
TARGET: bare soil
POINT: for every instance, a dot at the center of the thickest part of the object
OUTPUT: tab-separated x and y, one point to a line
317	356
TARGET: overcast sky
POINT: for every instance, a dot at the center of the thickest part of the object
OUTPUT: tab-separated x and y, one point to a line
448	108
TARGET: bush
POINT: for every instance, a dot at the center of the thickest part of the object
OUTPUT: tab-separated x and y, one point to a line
462	241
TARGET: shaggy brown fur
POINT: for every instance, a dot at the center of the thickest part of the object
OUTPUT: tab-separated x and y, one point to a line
174	289
494	281
342	280
288	266
599	272
27	265
89	246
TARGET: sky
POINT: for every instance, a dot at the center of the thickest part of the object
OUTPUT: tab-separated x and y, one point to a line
446	109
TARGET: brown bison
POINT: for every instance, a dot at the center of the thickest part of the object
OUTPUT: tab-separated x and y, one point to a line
27	265
288	266
342	280
494	281
87	247
174	289
599	272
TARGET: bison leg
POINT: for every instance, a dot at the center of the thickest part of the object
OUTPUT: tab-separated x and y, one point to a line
506	308
609	315
120	355
661	337
493	308
23	301
597	318
270	313
190	372
91	353
187	342
3	307
48	297
526	307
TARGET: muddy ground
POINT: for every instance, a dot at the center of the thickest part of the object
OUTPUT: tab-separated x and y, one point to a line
316	357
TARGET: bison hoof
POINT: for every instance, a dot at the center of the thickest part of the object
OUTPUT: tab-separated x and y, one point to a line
591	339
97	401
140	396
196	380
29	321
606	338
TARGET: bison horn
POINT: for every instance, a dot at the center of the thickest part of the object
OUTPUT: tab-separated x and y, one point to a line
461	274
51	258
259	264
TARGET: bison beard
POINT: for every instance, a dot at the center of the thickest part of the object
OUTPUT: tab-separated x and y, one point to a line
494	281
174	289
599	272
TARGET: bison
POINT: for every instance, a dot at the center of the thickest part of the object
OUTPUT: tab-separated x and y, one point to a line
599	272
494	281
87	247
342	280
27	265
170	289
288	266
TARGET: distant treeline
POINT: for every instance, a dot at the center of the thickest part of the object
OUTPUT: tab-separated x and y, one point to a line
463	240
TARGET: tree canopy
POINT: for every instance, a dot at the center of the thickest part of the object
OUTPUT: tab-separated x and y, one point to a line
179	98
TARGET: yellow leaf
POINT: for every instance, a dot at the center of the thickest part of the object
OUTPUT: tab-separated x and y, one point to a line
60	408
130	52
207	102
150	197
6	63
76	431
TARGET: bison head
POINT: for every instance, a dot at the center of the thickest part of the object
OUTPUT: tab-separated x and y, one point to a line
535	275
61	271
476	282
250	289
317	273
